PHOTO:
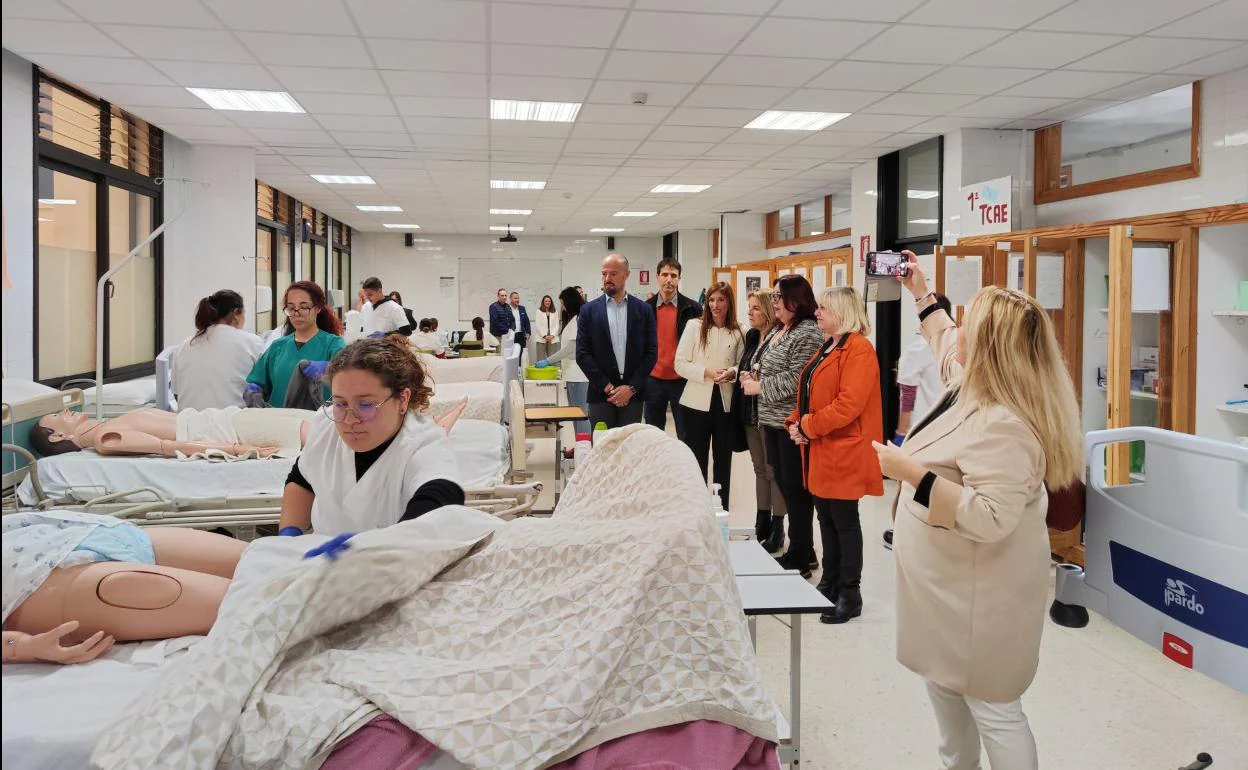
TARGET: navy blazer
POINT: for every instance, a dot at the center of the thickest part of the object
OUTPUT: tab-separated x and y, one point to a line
501	319
525	329
596	356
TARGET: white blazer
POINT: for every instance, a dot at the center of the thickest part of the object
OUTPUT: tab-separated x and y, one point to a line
547	325
722	351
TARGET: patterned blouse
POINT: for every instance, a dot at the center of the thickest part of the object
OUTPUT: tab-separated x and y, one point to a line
782	363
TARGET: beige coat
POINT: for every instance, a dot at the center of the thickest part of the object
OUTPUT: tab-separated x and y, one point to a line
973	567
722	351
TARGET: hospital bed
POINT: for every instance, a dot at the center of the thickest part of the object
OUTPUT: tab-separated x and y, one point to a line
25	402
117	397
1167	558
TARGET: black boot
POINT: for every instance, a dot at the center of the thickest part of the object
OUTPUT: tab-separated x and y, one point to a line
829	586
791	561
762	525
775	538
848	605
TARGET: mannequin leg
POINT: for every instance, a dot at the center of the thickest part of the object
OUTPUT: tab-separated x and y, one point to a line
196	550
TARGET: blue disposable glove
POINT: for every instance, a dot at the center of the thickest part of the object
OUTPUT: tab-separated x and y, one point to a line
897	439
289	531
332	549
542	364
377	335
251	388
314	369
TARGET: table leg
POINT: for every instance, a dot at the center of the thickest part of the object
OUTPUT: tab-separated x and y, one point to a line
558	459
795	687
752	622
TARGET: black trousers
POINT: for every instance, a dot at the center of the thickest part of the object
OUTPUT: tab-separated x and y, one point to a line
704	430
660	394
841	532
614	416
785	458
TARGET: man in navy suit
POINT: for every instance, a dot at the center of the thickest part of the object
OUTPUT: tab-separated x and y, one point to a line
521	317
616	347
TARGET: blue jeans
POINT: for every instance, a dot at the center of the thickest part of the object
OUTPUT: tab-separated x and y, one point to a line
659	395
578	395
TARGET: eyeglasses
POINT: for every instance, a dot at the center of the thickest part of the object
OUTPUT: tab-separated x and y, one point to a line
290	310
363	411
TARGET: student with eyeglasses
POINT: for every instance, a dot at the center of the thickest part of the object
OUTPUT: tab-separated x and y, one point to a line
370	461
312	333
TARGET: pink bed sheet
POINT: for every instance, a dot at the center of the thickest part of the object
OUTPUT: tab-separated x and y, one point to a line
702	745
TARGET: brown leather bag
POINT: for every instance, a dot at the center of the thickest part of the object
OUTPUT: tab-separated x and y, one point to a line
1067	506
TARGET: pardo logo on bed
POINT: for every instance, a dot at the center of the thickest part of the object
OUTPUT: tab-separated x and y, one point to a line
1182	594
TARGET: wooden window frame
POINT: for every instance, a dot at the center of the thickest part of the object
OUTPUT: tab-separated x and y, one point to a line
772	227
1049	167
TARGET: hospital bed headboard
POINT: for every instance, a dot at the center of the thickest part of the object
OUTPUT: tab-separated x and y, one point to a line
164	380
17	420
513	404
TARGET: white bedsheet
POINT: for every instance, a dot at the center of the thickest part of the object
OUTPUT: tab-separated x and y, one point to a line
134	393
448	370
480	446
485	400
16	390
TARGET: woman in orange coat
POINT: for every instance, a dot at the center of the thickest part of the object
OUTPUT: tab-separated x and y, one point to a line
838	415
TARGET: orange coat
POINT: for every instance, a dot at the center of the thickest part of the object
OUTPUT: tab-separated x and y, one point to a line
842	417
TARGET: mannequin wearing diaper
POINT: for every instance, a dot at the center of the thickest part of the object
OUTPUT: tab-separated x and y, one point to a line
144	432
171	584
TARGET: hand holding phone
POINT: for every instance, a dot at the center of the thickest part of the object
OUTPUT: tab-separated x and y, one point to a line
887	264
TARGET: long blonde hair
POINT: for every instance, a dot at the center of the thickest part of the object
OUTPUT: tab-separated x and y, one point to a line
763	296
849	307
1013	360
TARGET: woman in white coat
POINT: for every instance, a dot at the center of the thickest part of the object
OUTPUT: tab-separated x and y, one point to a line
210	368
971	545
370	461
547	332
574	380
706	357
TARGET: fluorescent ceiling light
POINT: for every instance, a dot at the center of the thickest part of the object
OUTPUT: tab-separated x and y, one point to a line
512	212
499	229
342	179
58	202
247	101
606	229
402	227
379	208
796	121
505	184
679	188
922	195
635	213
923	221
552	112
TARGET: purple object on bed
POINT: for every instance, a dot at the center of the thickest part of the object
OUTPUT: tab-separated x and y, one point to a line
701	745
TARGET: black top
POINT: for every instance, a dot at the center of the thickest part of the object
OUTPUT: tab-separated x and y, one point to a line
430	496
923	492
745	406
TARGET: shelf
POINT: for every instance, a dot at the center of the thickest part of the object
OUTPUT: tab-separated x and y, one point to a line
1231	313
1141	395
1233	408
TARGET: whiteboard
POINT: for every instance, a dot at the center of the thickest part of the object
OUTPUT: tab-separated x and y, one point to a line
480	280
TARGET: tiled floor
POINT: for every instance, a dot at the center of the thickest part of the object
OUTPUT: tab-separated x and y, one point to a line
1101	701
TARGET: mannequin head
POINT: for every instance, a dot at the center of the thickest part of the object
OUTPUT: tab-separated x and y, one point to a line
53	433
375	383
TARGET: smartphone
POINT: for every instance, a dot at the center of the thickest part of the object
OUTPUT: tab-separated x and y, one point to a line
887	263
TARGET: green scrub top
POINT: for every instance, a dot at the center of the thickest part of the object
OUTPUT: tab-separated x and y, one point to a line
273	370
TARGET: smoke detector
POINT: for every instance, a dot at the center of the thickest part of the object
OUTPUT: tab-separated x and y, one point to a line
640	97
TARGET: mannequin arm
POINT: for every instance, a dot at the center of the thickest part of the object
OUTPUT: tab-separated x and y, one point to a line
47	647
129	442
448	420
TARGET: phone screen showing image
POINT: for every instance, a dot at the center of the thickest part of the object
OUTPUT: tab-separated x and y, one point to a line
886	263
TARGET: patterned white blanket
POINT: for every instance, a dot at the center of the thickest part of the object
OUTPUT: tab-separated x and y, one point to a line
508	645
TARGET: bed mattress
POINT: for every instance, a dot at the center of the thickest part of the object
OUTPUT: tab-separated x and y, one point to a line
485	400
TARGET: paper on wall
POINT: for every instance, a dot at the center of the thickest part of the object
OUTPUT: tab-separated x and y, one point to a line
840	275
962	279
1050	280
819	278
446	286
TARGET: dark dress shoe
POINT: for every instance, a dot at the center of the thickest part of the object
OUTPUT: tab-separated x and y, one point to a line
789	563
762	526
775	538
829	587
888	539
848	606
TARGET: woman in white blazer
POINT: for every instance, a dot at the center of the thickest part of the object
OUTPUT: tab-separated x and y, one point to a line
706	357
970	542
547	331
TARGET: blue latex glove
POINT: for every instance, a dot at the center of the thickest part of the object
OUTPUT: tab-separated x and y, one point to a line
542	364
290	531
313	369
251	388
897	439
377	335
332	549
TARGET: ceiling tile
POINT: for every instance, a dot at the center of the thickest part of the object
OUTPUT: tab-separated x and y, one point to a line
583	130
920	104
1072	84
807	38
926	44
765	71
1145	86
1074	109
164	13
218	75
526	144
621	147
621	92
863	121
1012	107
1225	20
877	10
289	137
950	124
306	50
539	89
734	150
646	66
48	10
361	123
211	134
451	142
423	20
352	139
332	80
442	107
404	83
829	100
1045	50
78	69
1152	54
972	13
432	56
346	104
775	138
674	149
619	113
691	134
752	97
1028	124
162	116
273	120
1225	61
745	7
548	60
538	24
847	138
30	36
874	76
701	116
980	81
533	128
683	32
1124	17
144	96
325	17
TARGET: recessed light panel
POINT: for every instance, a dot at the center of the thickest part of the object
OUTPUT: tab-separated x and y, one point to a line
507	184
606	229
679	188
341	179
247	101
922	221
402	227
635	213
379	208
779	120
551	112
512	212
501	229
922	195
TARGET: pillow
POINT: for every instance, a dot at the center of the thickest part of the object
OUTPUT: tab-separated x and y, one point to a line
130	393
16	390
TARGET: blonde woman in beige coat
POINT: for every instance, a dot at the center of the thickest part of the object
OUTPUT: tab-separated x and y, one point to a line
970	541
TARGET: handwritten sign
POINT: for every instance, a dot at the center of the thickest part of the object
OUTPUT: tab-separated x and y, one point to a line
986	207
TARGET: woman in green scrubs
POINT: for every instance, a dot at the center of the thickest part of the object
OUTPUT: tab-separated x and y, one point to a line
312	333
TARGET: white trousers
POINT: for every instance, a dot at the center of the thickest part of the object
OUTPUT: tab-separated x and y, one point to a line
965	721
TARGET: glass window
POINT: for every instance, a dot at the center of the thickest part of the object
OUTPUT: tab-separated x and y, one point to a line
919	191
132	302
285	268
342	261
320	268
1143	135
264	277
67	275
786	227
133	144
812	219
305	262
68	119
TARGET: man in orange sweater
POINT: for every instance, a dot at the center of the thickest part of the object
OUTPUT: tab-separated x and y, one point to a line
672	310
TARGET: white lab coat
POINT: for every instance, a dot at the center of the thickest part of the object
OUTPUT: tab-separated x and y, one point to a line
427	342
420	453
918	367
210	371
385	317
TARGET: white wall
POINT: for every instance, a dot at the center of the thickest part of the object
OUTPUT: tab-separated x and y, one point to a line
19	188
212	245
863	222
978	155
1221	342
742	238
414	272
695	261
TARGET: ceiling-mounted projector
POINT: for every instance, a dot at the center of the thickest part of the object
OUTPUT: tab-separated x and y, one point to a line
508	238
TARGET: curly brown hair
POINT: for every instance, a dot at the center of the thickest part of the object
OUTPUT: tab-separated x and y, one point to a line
394	362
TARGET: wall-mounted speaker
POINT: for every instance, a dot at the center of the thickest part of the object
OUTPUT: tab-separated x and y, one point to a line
610	243
409	240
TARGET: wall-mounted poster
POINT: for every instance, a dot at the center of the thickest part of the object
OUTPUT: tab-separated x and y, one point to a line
840	275
819	277
753	283
748	281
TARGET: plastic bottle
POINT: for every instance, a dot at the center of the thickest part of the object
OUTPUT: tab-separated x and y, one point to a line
600	430
581	450
721	516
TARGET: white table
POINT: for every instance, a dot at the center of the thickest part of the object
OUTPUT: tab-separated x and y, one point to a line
782	593
750	558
